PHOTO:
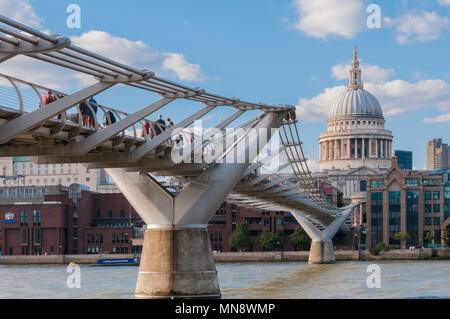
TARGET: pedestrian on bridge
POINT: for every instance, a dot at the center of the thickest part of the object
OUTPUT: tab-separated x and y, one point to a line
160	125
48	98
109	118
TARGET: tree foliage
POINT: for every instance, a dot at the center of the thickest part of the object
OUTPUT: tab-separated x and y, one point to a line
270	241
240	239
300	239
401	236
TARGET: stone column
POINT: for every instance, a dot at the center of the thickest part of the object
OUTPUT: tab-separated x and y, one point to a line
335	149
328	151
376	148
442	238
348	149
342	149
363	148
386	217
356	147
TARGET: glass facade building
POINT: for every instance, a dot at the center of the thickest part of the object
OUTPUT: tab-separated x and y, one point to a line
405	159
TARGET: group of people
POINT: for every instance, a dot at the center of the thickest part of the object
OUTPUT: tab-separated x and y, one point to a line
153	129
87	110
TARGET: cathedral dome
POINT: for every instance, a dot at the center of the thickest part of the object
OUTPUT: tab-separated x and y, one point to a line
356	102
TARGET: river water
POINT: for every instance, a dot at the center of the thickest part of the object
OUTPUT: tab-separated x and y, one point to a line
399	279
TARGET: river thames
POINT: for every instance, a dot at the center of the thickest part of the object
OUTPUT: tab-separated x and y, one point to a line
299	280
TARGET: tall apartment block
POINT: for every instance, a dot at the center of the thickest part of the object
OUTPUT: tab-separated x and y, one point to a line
437	154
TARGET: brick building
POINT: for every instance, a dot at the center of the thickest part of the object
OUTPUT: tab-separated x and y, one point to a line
37	220
65	220
407	201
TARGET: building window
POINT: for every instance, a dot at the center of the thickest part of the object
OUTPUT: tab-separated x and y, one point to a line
412	182
362	186
427	195
427	208
24	236
375	184
110	213
376	229
436	195
436	208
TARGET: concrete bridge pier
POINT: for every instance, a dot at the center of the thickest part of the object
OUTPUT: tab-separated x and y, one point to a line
177	263
322	251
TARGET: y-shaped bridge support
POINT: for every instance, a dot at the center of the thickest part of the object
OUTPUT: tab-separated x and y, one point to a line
321	251
177	259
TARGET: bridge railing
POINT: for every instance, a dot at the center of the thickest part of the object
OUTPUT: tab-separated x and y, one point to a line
25	97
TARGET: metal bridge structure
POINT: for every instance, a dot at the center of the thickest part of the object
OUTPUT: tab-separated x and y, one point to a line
177	260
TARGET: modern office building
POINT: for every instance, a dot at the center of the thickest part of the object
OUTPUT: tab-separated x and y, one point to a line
404	159
407	201
438	155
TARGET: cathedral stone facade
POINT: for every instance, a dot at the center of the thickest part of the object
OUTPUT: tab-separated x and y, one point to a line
356	143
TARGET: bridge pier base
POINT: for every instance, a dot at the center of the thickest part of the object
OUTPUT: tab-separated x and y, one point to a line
321	252
177	263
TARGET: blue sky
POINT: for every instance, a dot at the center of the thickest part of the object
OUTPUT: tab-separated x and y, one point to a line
279	52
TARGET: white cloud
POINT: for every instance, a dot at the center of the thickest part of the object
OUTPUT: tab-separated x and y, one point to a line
396	97
140	55
22	11
184	70
369	73
322	18
317	108
443	118
411	28
444	2
134	53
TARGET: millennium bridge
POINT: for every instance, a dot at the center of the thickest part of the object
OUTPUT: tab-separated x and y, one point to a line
177	260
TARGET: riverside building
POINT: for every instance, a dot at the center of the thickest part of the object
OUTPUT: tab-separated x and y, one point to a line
408	201
37	220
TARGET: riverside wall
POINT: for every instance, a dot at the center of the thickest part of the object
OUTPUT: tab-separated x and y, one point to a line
286	256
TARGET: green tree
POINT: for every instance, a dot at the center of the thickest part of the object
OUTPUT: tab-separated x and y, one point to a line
299	239
270	241
429	237
340	199
402	236
240	239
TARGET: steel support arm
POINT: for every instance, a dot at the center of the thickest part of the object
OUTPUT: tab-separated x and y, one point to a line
89	143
